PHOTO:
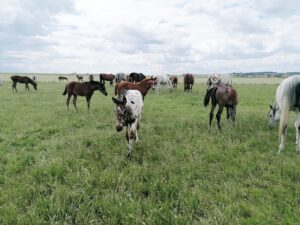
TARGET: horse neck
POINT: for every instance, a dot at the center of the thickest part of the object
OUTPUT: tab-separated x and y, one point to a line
31	81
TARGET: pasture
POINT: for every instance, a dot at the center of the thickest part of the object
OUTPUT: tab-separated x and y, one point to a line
59	167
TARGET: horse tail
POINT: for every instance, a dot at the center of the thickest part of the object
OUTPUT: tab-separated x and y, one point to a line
207	97
65	91
283	118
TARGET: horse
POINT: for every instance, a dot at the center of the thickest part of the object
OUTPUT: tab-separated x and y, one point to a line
107	77
224	96
217	79
23	80
83	89
137	77
91	77
287	99
61	78
162	79
142	86
120	77
80	78
188	81
128	114
174	81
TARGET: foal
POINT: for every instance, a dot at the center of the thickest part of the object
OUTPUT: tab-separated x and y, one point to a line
224	96
23	80
129	112
83	89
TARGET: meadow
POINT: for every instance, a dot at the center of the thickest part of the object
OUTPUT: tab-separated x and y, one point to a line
59	167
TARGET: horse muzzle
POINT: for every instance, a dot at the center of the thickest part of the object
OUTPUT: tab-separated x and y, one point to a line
119	127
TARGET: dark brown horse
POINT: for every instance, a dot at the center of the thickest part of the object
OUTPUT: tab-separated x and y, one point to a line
83	89
142	86
23	80
107	77
174	81
188	82
80	78
61	78
224	96
137	77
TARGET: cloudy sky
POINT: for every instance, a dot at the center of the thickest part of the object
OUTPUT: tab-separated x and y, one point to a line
157	36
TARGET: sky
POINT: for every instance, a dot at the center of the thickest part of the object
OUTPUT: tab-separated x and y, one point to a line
153	37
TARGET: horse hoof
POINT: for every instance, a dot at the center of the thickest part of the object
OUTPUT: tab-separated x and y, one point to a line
279	152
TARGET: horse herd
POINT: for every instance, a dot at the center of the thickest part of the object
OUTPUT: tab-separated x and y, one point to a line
130	92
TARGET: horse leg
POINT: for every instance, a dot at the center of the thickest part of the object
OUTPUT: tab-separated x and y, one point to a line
297	126
88	99
129	142
14	86
74	101
227	113
219	116
211	115
282	139
26	87
68	101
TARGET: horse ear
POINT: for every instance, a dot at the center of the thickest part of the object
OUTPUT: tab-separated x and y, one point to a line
271	107
124	100
116	101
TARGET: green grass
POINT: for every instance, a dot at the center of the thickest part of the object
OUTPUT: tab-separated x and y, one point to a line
59	167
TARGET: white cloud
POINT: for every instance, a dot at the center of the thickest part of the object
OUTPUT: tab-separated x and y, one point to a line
149	36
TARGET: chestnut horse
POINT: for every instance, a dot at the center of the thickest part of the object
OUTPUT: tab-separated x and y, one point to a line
142	86
188	82
107	77
83	89
23	80
174	81
224	96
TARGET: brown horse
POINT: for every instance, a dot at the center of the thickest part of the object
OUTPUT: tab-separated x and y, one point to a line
23	80
174	81
107	77
142	86
83	89
61	78
224	96
80	78
188	82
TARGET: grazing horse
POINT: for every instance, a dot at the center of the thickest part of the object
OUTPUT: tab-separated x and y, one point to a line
224	96
83	89
188	81
287	99
129	112
174	81
217	79
142	86
137	77
61	78
80	78
162	79
120	77
23	80
107	77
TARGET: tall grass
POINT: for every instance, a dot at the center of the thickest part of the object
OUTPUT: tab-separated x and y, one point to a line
59	167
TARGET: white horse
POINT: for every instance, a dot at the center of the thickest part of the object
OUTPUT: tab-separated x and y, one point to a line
287	99
129	113
217	79
162	79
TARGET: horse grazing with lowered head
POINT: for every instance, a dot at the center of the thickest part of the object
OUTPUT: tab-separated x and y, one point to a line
107	77
80	78
136	77
217	79
128	113
142	86
83	89
287	99
174	81
223	96
23	80
188	82
162	79
61	78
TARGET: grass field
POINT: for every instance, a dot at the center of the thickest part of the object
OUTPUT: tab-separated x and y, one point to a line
59	167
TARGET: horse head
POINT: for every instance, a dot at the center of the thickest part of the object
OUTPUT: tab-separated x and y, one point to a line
102	89
120	112
274	115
